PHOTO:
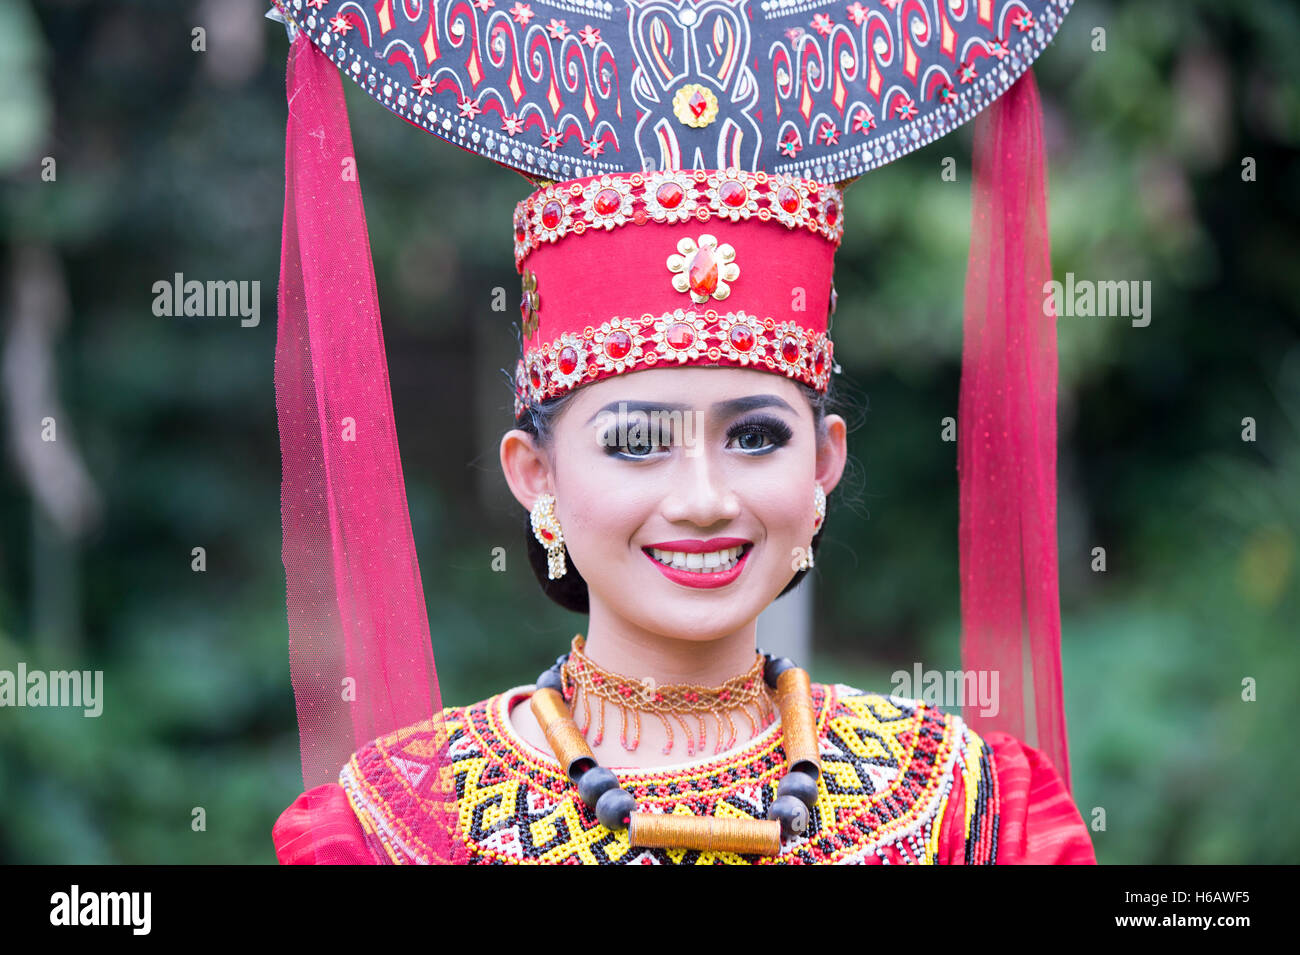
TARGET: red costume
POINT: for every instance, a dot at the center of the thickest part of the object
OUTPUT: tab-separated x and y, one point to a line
689	158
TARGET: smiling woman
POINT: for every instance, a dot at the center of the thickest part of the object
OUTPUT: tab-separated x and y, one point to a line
674	446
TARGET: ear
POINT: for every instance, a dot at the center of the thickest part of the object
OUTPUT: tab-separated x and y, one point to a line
832	453
526	468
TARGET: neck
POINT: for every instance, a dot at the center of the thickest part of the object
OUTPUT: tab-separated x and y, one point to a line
704	658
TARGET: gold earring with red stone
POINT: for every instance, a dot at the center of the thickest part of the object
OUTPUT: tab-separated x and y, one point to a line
546	528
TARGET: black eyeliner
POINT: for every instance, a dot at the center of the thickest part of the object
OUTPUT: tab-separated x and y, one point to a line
777	430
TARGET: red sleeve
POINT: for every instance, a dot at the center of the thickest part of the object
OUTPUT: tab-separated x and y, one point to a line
320	828
1038	823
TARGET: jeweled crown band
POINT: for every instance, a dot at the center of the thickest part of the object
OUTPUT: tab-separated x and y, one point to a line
609	201
631	271
677	338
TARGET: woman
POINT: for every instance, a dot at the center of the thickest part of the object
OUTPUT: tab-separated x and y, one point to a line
674	448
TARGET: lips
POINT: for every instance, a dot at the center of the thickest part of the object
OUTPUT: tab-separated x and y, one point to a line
700	568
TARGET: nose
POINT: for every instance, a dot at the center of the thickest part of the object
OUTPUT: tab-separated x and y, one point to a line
701	492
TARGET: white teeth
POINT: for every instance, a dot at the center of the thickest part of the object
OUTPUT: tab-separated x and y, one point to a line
710	563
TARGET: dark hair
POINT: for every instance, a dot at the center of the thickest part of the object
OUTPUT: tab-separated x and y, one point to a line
570	591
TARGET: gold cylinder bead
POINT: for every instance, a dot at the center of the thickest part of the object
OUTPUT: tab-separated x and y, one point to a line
759	837
798	722
567	742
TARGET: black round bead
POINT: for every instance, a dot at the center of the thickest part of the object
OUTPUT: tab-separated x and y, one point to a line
550	679
594	783
808	768
791	814
800	785
775	667
615	806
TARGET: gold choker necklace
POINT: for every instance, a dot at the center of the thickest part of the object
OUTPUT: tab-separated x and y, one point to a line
746	692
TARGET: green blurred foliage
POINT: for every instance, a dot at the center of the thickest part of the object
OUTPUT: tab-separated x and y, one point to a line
170	161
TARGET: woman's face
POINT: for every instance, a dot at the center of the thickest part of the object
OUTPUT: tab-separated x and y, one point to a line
695	462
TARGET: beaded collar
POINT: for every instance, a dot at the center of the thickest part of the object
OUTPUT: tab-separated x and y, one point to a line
889	767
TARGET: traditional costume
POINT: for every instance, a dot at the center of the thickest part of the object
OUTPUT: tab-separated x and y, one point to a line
689	159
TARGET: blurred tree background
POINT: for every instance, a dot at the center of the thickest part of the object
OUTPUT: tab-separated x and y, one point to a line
170	160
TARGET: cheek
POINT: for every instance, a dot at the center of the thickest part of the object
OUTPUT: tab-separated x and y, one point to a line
603	507
776	499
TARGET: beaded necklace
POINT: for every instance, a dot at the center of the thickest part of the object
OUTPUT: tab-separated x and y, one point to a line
668	701
615	807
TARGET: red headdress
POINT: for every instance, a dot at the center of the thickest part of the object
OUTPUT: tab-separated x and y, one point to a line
689	158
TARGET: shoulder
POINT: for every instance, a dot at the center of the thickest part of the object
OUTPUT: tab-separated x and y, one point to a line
350	822
1039	822
320	828
1003	801
1007	804
402	787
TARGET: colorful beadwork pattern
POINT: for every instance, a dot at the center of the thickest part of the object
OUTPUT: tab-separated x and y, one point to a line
888	769
680	336
609	201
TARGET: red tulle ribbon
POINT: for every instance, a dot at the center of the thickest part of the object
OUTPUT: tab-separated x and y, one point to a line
1006	452
359	649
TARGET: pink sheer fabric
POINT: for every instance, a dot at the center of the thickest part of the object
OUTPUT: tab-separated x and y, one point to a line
359	648
1006	452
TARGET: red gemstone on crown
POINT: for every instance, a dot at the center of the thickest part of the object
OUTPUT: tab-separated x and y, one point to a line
670	195
742	337
567	360
788	198
832	211
704	273
607	202
733	193
790	351
617	344
535	375
820	362
680	336
551	214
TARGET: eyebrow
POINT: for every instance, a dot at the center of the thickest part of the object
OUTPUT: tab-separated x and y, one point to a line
722	409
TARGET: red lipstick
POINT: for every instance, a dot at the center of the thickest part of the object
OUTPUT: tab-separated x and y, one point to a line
697	579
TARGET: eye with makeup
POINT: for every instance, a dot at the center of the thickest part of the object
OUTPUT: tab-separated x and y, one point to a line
637	432
764	426
776	431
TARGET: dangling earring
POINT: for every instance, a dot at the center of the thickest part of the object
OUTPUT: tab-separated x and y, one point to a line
546	528
819	506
